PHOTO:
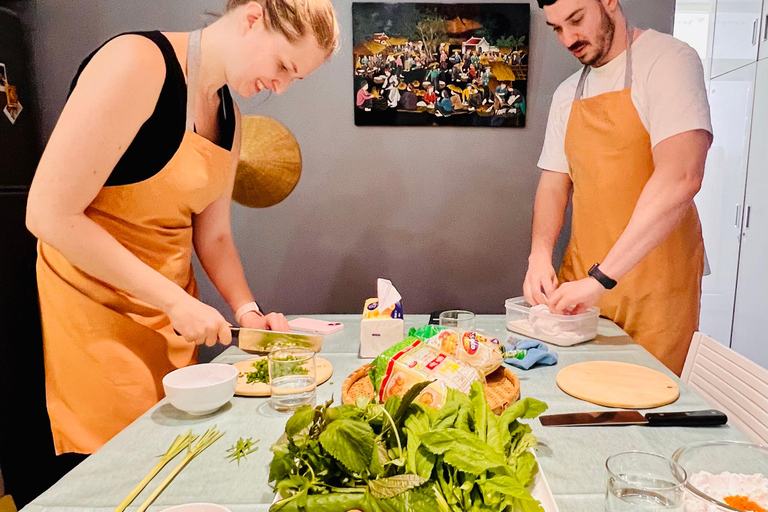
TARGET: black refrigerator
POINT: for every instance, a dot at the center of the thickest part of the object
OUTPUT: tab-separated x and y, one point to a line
27	461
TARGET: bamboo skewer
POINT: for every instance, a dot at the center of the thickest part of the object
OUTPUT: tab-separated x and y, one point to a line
211	436
181	442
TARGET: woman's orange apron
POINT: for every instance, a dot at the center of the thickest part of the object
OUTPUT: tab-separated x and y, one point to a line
106	352
610	161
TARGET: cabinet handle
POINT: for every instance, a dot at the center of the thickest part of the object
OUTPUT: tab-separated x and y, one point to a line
746	221
736	223
754	31
765	29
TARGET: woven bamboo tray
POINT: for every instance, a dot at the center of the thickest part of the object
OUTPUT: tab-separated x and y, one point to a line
502	388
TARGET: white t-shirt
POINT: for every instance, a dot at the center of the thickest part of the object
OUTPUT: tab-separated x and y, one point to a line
668	92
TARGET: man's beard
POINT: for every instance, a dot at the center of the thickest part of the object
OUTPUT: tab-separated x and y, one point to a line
605	42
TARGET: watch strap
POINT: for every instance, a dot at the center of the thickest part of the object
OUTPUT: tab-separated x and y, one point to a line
601	278
247	308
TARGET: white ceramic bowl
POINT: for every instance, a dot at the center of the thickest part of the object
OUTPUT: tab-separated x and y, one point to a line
197	507
202	388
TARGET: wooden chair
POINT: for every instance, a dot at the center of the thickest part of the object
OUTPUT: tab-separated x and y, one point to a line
731	383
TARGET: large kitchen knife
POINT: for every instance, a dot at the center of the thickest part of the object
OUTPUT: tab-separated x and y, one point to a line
708	418
257	340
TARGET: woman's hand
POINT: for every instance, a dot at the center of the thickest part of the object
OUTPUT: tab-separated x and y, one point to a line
199	322
272	321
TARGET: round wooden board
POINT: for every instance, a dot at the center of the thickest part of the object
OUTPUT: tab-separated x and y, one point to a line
616	384
323	369
502	387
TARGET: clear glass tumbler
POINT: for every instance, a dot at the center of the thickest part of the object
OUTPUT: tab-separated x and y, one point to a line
458	319
292	378
644	482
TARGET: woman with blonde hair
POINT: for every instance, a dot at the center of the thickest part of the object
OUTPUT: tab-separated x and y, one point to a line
136	175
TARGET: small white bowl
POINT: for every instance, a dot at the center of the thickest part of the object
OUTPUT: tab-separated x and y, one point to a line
197	507
202	388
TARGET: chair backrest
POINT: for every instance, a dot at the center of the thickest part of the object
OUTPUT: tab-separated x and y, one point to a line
730	382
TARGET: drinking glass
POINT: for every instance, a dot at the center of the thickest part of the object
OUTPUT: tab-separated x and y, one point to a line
292	379
644	482
458	319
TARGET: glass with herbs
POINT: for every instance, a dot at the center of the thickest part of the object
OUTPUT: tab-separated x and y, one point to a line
291	378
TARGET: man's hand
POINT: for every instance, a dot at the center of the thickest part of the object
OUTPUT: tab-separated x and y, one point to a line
576	297
540	276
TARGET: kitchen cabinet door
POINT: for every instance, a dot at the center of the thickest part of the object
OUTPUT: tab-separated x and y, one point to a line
750	335
762	52
721	198
737	34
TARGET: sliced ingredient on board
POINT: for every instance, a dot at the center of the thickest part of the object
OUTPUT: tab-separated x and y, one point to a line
259	374
403	456
748	493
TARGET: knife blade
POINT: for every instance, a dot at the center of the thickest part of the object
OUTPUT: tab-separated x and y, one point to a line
706	418
262	341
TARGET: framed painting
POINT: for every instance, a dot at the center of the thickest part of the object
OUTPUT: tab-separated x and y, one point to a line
432	64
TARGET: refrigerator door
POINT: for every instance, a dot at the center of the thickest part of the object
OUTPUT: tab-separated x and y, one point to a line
18	132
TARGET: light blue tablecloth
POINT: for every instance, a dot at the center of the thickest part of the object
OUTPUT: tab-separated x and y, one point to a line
571	458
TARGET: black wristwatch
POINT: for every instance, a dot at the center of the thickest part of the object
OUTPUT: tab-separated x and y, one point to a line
603	279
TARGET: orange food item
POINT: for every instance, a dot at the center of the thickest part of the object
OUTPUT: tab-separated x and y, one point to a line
743	503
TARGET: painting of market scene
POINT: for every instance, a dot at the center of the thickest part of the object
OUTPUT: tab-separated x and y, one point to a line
428	64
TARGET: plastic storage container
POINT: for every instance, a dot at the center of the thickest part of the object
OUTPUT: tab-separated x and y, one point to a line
541	324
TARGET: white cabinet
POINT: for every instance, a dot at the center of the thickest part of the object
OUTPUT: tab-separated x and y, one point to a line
737	34
750	322
720	200
763	51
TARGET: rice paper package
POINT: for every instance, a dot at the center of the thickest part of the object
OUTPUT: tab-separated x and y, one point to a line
411	361
474	348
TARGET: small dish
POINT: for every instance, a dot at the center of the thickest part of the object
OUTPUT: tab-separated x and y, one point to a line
202	388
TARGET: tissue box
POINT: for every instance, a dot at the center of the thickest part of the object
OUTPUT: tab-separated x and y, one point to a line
379	330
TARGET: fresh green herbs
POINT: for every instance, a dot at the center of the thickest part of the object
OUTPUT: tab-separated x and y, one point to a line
401	456
241	449
261	373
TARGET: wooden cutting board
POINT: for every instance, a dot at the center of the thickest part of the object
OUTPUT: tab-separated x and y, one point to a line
616	384
323	370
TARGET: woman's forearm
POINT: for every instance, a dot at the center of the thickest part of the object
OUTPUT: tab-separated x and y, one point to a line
93	250
221	261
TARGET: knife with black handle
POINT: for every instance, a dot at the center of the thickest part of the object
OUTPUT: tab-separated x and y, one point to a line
707	418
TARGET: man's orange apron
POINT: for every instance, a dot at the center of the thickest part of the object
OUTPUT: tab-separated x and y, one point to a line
610	161
106	352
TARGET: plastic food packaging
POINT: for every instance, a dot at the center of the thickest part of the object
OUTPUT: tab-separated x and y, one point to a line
474	348
539	323
411	361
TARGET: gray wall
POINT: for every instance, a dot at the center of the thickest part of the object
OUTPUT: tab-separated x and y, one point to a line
444	213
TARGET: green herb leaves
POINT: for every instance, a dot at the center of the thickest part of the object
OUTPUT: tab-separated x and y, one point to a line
402	456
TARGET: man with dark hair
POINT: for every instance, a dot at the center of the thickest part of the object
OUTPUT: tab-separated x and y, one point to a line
629	135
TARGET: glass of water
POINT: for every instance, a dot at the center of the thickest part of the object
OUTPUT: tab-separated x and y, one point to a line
641	481
458	319
292	379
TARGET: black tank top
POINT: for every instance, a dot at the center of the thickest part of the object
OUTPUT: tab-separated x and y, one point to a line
160	136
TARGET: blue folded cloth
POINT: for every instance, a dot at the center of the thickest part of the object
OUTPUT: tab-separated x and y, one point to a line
535	352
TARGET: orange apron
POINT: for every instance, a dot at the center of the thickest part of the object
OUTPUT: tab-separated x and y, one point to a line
610	160
106	352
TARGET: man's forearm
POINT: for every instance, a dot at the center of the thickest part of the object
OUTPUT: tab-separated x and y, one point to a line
659	210
549	212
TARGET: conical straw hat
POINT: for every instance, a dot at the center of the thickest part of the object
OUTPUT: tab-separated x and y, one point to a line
270	163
